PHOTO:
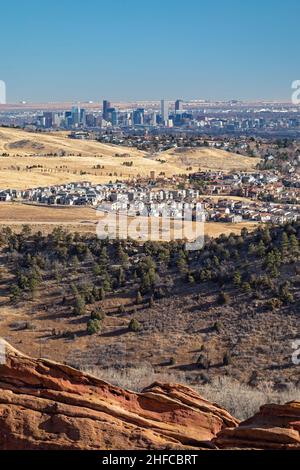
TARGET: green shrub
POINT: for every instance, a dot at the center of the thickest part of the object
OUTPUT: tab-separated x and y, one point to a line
139	298
134	325
217	326
93	326
98	314
202	361
79	307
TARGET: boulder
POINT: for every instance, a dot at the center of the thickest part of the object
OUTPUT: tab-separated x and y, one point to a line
273	427
49	406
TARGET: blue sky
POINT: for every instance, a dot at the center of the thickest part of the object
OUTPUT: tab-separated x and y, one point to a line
129	49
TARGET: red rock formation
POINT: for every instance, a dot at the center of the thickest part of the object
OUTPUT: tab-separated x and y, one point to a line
273	427
45	405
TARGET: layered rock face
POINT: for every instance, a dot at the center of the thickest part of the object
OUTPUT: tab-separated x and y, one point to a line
50	406
273	427
45	405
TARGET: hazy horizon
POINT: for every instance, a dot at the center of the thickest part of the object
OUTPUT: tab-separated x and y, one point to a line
132	102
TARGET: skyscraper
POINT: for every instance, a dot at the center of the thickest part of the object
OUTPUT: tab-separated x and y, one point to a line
106	106
82	117
76	115
153	121
114	117
178	105
48	119
164	110
138	116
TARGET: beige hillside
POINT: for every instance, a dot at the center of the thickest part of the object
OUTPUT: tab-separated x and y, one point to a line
208	159
25	161
19	142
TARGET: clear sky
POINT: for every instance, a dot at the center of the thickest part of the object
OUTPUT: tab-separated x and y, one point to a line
67	50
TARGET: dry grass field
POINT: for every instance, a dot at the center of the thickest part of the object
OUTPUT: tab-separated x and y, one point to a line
27	162
85	219
24	143
208	159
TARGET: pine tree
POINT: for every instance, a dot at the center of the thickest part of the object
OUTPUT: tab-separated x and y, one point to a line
134	325
237	278
294	246
93	326
284	244
79	307
139	298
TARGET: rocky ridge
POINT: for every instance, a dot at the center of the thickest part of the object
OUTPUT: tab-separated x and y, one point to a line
46	405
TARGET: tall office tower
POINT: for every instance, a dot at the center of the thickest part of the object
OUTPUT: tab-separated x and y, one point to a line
2	92
48	119
57	119
164	110
178	105
75	115
68	118
106	106
153	121
138	116
115	117
90	120
82	117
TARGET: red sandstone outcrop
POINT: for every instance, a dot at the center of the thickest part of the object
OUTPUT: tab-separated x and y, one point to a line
273	427
45	405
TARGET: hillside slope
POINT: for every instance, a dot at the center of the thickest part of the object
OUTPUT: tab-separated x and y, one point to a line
231	308
29	159
205	158
24	143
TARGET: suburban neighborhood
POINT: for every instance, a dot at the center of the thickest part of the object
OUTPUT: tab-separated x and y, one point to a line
259	196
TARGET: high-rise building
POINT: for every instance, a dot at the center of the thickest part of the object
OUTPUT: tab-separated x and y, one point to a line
114	117
106	106
138	116
153	121
82	117
68	118
48	119
75	115
164	110
109	114
178	105
57	119
90	120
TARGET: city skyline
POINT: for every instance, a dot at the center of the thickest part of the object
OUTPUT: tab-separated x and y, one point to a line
143	52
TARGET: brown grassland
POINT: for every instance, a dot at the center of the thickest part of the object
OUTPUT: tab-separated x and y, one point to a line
27	162
85	219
